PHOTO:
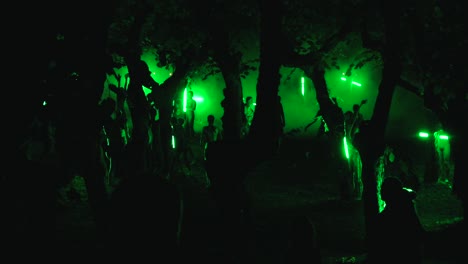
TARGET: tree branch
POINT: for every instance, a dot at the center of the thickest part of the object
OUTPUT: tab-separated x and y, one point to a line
293	59
410	87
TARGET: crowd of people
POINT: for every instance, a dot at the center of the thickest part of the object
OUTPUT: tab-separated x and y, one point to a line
150	207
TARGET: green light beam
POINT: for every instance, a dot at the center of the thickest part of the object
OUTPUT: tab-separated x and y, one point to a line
345	144
302	86
444	137
423	134
198	99
185	100
352	82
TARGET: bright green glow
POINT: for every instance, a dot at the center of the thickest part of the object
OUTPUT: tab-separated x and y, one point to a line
302	86
146	90
173	142
44	103
408	189
423	134
444	137
185	99
345	144
352	82
198	99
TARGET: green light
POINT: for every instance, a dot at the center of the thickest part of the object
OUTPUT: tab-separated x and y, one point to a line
185	100
407	189
345	144
198	99
302	86
352	82
444	137
173	142
44	103
146	90
423	134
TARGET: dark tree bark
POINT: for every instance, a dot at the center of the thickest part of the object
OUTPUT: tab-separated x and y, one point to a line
457	107
229	64
138	148
371	139
455	123
265	125
165	94
97	63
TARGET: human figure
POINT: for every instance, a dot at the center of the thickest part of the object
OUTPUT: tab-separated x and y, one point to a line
353	120
183	155
79	141
156	159
442	155
26	198
210	133
227	172
397	163
140	113
249	111
323	128
303	246
178	109
397	235
114	144
190	115
282	121
120	109
146	219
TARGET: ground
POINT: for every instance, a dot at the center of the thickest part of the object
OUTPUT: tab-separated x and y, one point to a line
298	181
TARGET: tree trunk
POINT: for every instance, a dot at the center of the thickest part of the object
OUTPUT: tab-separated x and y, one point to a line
459	146
457	129
229	64
84	157
334	118
371	142
138	145
165	94
265	125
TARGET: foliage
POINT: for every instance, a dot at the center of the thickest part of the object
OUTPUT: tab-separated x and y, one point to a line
434	39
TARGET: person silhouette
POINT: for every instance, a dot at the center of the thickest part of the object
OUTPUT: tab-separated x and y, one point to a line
303	246
146	212
210	133
280	114
398	235
190	115
183	153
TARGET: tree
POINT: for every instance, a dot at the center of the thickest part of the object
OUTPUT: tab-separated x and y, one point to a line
372	138
73	47
264	125
148	28
435	71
